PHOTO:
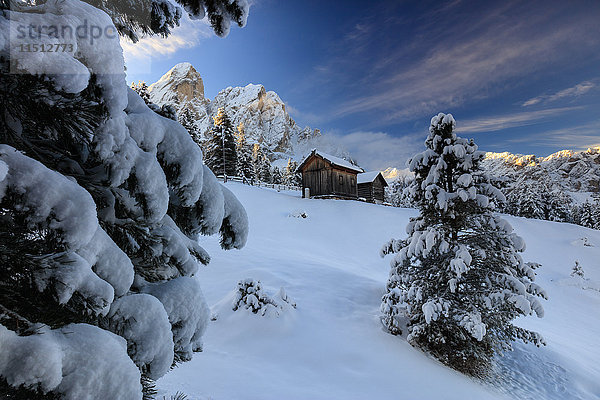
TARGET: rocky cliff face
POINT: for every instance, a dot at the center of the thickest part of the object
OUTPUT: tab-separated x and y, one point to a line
183	87
261	112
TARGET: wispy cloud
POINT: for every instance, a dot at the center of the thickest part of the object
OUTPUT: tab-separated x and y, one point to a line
359	31
500	122
304	117
574	91
448	65
379	150
187	35
578	137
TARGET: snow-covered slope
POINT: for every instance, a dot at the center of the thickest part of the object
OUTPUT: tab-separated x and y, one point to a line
567	170
263	113
332	345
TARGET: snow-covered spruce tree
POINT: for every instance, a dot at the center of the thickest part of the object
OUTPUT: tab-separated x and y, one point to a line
586	215
188	121
558	205
397	193
458	278
596	211
243	153
141	88
276	176
290	176
259	160
221	156
527	199
101	203
533	196
266	174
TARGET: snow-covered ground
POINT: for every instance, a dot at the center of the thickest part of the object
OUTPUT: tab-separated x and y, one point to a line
332	345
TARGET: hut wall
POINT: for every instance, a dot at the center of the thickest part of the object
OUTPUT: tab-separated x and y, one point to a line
378	190
372	191
324	179
365	191
316	176
343	183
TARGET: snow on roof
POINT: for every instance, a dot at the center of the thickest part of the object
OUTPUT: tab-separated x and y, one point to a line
340	162
367	177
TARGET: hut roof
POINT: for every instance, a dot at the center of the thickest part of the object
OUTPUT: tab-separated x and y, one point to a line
340	162
368	177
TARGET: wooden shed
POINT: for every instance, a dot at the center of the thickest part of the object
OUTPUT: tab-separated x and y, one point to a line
371	186
327	175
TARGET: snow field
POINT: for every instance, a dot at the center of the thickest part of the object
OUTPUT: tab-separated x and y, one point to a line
332	346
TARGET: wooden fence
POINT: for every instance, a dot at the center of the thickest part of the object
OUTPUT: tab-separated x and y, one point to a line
276	186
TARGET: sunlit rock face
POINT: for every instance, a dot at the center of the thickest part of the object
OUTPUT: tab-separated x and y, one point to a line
261	113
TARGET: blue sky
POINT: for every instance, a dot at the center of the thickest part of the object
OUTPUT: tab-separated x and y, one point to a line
518	76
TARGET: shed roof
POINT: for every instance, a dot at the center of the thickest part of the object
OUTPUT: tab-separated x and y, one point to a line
368	177
340	162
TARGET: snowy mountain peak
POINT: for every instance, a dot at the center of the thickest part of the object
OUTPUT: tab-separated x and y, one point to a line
391	174
262	113
560	154
180	70
252	96
515	160
180	86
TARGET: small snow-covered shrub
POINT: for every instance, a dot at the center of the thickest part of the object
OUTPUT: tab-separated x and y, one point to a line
251	296
299	214
578	279
282	295
176	396
577	270
582	242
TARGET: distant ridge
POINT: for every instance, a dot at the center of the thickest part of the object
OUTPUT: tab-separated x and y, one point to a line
567	170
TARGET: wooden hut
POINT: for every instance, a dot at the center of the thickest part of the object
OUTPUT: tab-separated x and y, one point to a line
371	186
326	175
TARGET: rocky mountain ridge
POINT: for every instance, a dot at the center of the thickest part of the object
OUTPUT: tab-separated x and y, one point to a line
262	113
567	170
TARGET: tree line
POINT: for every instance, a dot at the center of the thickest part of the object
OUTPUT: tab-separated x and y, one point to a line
226	149
529	197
